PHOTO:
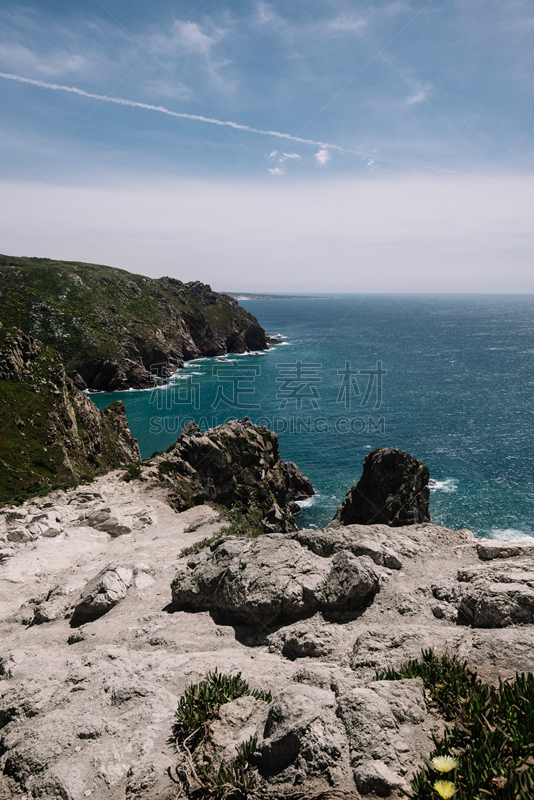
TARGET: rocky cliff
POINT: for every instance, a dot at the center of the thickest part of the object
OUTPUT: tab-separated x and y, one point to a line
50	432
115	329
238	466
393	490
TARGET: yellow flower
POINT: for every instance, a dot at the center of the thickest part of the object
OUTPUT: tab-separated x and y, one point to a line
445	789
444	763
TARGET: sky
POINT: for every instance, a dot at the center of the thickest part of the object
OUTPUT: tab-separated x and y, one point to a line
298	146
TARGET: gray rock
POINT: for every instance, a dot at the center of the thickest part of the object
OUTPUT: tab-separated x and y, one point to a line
405	698
114	526
350	583
19	535
302	735
103	592
237	723
55	606
354	538
490	549
374	777
393	490
370	725
497	605
305	640
271	578
237	462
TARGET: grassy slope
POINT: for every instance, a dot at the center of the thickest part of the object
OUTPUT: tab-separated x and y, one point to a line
90	312
36	430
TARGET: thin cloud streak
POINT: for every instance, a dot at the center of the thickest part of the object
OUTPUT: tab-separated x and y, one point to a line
121	101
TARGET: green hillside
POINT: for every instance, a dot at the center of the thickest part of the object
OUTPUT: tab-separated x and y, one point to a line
113	327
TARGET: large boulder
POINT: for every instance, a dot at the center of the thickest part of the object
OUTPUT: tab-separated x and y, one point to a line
497	605
237	465
272	578
393	490
303	736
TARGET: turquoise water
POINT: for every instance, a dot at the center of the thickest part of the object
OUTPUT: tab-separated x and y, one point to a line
448	378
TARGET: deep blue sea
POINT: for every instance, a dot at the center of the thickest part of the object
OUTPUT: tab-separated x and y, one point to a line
449	379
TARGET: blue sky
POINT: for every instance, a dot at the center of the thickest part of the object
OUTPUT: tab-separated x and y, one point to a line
416	173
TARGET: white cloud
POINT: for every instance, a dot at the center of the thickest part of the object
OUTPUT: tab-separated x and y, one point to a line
166	88
266	15
419	96
343	24
191	40
286	156
382	233
273	154
277	171
34	43
46	64
323	157
191	37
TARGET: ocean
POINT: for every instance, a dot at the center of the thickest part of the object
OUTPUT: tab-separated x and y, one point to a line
449	379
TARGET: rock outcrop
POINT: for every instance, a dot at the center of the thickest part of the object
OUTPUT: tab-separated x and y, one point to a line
52	433
272	578
237	465
94	654
393	490
117	330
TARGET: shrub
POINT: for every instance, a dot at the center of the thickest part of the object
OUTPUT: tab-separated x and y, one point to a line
200	704
491	738
202	701
132	471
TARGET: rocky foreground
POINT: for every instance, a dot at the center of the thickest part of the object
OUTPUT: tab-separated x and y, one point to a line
104	624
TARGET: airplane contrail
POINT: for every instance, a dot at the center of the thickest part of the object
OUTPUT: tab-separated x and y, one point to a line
121	101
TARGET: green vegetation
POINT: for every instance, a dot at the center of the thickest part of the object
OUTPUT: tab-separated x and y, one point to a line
201	701
166	467
51	436
245	524
490	741
132	471
198	706
92	313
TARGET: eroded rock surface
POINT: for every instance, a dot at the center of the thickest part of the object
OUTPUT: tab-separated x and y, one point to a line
272	578
88	710
235	464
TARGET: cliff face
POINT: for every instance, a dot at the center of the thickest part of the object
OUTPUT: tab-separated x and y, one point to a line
50	432
116	330
236	465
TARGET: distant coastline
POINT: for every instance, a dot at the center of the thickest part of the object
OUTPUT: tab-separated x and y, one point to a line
253	296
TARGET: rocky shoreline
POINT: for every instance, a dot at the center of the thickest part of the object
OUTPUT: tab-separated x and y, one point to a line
105	622
117	330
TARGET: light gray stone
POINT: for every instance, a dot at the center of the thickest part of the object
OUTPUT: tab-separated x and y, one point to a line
302	734
497	605
374	777
492	548
103	592
272	578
